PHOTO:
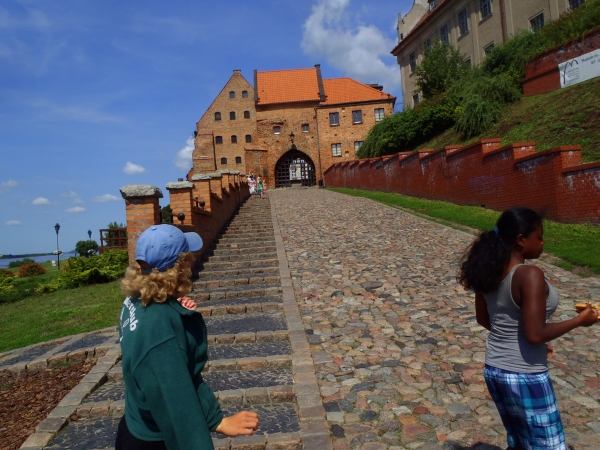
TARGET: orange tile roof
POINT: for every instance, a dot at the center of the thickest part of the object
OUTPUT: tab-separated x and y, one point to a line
347	90
285	86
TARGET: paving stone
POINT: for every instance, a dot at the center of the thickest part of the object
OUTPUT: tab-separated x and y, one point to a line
244	379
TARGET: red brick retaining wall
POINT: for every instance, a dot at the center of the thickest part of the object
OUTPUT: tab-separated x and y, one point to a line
541	74
553	182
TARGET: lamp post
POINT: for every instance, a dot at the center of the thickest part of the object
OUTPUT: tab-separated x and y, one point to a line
90	234
57	227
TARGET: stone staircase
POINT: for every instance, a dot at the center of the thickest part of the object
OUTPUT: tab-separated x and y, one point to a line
259	358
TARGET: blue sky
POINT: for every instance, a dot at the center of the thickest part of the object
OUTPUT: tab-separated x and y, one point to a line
98	94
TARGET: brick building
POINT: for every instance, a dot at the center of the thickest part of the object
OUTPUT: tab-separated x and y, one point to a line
472	26
290	127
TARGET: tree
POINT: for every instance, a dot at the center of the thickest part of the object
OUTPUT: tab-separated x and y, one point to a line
441	67
166	218
114	234
84	247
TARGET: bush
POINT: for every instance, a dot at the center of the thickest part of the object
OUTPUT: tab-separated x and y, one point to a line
5	273
31	269
84	247
19	263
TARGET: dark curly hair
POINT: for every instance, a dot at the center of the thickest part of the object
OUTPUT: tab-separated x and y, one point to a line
484	261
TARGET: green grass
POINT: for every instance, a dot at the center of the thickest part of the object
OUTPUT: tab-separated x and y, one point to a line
567	116
62	313
578	245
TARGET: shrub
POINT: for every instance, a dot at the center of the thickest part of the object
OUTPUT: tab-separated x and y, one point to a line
5	273
31	269
107	267
19	263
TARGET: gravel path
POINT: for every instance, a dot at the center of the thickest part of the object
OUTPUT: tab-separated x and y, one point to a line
398	351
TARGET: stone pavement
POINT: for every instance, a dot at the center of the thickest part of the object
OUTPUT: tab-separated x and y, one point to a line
398	352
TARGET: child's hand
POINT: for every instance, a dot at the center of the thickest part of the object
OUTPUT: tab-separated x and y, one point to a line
589	316
242	423
187	303
550	351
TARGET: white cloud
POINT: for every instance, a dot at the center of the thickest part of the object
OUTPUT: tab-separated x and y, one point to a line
6	186
105	198
70	194
41	201
133	169
12	222
183	160
78	201
362	51
75	209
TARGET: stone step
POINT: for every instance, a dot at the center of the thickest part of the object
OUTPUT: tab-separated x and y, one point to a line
245	250
279	361
248	290
236	280
243	235
248	301
249	350
238	308
242	239
252	323
250	243
241	226
221	264
208	274
252	256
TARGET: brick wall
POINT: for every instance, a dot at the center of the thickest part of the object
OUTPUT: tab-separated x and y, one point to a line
542	75
553	182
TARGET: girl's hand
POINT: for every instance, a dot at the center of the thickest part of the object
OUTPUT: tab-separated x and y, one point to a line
242	423
550	351
589	316
187	303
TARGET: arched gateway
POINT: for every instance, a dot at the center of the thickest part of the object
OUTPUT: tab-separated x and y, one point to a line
294	167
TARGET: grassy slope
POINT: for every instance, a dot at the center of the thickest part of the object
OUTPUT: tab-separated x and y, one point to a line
569	242
61	313
569	116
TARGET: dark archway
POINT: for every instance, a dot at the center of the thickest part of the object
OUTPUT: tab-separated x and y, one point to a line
294	167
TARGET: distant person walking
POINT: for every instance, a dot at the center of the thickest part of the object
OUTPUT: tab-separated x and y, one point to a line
514	302
252	185
164	346
261	186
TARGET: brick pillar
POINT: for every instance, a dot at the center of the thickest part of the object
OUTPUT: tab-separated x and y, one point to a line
202	189
226	180
216	184
142	211
180	195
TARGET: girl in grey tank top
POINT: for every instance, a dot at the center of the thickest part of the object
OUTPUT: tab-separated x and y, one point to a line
514	302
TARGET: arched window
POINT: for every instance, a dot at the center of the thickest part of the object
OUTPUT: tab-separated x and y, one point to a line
223	160
234	139
231	94
238	159
244	94
218	139
217	116
232	115
246	114
248	138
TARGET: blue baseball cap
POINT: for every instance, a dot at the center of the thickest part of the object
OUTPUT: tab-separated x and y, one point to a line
160	245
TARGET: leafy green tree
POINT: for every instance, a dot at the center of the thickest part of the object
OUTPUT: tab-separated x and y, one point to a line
441	67
84	247
114	234
166	218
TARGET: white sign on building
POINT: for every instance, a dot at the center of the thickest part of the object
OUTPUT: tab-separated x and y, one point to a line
580	69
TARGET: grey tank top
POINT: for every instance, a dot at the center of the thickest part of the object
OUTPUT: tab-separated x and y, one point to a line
507	348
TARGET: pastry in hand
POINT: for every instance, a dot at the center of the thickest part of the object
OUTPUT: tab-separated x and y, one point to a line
581	306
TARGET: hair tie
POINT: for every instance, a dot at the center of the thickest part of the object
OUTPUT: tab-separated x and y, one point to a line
496	230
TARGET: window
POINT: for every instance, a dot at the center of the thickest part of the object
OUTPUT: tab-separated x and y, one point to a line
217	116
234	139
223	160
576	3
276	130
244	94
218	139
231	94
379	114
428	45
246	114
537	22
416	100
336	149
468	61
238	159
232	115
488	48
305	128
334	119
248	138
357	145
412	60
357	116
432	4
486	8
463	23
445	35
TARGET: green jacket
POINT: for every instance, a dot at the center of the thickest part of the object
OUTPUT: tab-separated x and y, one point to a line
164	350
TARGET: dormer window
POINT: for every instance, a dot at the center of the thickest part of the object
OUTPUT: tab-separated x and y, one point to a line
432	4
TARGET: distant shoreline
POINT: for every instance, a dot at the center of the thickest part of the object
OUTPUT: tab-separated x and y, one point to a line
28	255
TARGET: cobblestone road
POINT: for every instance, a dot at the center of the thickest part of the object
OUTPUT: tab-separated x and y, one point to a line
398	352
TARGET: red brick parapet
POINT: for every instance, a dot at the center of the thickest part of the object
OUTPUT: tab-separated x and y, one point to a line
553	182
